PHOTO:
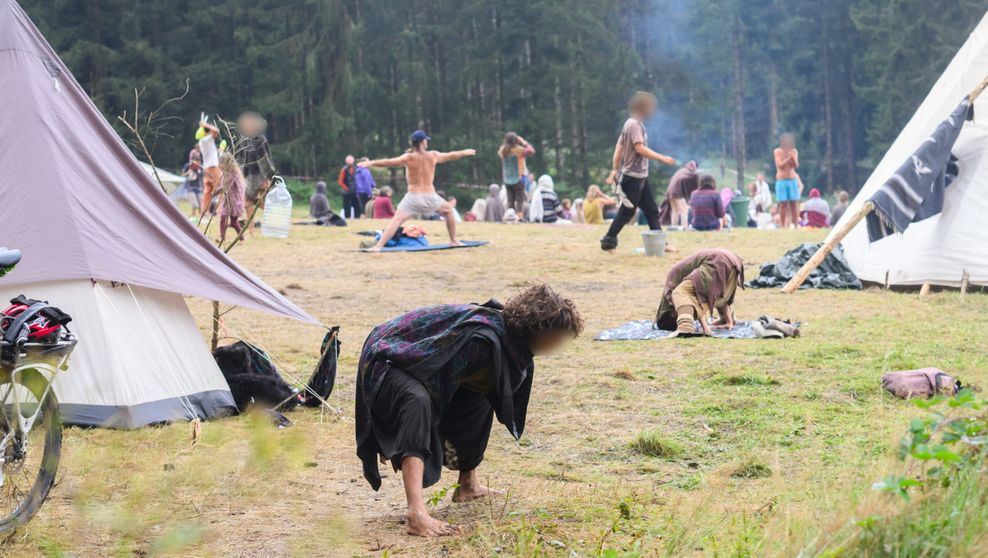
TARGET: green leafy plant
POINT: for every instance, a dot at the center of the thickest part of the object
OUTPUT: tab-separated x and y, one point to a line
440	495
951	438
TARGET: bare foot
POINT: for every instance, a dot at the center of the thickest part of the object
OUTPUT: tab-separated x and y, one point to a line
373	249
421	524
671	249
467	493
455	243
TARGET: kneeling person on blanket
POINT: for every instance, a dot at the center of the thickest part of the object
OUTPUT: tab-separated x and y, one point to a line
696	286
431	381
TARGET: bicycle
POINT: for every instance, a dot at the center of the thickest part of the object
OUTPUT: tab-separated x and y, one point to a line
35	347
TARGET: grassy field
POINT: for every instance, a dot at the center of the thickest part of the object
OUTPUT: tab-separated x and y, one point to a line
664	448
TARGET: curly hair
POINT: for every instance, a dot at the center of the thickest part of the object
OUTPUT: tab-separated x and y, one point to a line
538	308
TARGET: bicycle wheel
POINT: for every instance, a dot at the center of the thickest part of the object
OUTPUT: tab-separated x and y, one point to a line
29	462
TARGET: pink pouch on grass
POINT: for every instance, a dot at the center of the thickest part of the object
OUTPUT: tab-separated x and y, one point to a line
925	382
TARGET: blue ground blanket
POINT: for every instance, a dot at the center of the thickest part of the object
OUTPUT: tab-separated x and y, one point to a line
464	244
644	330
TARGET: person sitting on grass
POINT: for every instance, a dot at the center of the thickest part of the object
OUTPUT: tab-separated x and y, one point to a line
494	208
816	211
838	211
594	205
477	211
431	381
696	286
566	209
420	172
319	208
383	208
707	206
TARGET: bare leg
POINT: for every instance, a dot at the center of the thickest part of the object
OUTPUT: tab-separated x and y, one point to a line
223	226
420	523
447	212
389	232
470	488
794	214
679	213
235	223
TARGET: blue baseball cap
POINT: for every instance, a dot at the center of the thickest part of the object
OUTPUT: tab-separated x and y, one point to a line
419	135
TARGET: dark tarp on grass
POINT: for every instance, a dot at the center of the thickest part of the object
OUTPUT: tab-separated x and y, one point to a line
833	273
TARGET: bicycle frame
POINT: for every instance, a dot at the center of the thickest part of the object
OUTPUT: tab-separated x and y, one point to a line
36	357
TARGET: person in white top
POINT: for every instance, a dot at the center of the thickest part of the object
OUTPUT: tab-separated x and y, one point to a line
210	164
761	198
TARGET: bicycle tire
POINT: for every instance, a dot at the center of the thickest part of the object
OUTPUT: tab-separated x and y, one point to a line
51	421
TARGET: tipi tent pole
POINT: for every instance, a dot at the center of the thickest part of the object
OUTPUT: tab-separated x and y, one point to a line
839	235
826	249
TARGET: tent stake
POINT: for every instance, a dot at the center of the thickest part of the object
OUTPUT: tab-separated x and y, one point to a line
965	280
826	249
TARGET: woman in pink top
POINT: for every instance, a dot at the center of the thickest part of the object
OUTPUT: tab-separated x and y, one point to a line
383	208
233	188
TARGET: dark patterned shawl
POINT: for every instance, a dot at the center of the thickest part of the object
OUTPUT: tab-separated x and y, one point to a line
421	343
710	271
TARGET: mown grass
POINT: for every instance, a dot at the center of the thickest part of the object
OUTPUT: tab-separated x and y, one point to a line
810	411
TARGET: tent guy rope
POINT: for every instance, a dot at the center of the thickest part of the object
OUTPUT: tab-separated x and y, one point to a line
828	247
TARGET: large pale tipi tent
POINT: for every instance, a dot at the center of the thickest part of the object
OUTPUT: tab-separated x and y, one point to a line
102	241
938	250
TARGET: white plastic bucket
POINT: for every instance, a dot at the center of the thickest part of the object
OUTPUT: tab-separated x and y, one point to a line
655	243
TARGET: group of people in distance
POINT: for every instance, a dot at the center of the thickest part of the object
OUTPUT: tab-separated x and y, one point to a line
225	182
430	382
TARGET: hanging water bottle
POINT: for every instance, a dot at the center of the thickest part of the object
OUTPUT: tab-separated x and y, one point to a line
277	211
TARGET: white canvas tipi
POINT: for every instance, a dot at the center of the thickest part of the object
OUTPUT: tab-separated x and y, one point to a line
938	250
104	243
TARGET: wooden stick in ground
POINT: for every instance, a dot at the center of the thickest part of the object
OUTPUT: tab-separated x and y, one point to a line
827	248
965	281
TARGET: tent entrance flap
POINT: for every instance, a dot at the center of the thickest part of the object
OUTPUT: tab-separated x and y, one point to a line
141	359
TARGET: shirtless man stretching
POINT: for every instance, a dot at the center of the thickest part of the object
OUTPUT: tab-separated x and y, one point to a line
421	199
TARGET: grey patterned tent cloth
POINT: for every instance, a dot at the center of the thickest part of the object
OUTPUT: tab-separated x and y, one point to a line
645	330
833	273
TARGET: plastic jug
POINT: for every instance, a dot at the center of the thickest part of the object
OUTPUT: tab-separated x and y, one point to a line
277	219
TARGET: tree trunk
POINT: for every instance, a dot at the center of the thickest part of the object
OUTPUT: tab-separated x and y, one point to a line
773	104
498	76
741	153
828	113
557	97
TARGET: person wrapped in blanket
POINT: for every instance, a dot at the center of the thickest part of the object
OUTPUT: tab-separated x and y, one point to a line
431	381
696	286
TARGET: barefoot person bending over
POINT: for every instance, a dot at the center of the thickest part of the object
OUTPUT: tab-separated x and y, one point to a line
431	381
421	199
696	286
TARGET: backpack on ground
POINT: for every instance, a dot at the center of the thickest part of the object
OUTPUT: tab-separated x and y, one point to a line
253	378
324	376
925	382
